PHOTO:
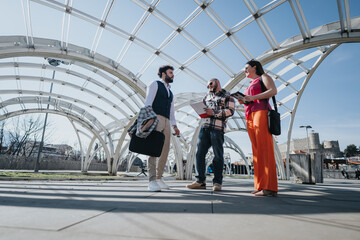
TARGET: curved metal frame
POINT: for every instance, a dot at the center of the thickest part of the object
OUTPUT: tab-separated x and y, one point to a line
73	117
321	38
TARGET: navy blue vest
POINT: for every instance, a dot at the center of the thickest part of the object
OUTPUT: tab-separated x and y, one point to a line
162	102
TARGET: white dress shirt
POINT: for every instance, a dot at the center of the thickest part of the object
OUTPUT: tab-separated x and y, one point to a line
151	94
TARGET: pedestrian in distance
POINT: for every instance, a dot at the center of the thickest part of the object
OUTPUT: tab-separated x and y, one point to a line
345	174
357	174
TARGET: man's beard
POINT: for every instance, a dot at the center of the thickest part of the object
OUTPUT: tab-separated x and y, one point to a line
213	89
168	79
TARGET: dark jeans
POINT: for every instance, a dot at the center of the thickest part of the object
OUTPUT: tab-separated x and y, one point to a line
215	139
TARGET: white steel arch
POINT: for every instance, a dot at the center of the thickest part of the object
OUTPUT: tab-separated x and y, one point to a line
65	114
324	35
120	84
16	46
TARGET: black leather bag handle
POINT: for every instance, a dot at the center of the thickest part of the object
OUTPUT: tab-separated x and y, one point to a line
263	89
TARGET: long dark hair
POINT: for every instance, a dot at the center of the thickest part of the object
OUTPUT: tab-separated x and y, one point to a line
259	68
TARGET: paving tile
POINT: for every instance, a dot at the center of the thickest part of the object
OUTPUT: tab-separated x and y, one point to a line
127	210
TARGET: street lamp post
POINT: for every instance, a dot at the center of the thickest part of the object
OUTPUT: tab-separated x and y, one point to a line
307	136
310	181
55	63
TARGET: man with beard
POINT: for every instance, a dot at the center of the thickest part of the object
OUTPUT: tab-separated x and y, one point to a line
219	107
161	99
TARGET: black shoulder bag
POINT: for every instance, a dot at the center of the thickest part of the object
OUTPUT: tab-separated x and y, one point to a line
152	145
273	115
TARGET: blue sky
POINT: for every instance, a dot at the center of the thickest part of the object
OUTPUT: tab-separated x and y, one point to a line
329	103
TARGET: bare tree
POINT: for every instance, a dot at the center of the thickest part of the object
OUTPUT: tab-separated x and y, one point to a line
2	137
24	134
75	151
31	148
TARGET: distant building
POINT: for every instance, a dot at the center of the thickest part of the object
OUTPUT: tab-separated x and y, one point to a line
330	149
49	149
62	149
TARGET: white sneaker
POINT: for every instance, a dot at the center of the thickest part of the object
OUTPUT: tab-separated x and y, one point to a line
162	184
154	186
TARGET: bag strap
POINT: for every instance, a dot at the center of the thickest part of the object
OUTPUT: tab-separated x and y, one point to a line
263	89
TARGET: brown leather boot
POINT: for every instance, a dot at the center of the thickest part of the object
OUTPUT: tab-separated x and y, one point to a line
217	187
197	185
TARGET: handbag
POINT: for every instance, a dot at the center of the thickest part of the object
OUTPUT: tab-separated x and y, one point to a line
273	115
152	145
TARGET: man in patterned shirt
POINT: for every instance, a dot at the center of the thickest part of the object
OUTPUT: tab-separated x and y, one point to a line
219	107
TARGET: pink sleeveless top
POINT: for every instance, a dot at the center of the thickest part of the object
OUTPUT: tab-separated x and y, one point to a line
254	89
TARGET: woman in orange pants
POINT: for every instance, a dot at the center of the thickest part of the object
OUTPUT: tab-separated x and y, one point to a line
256	108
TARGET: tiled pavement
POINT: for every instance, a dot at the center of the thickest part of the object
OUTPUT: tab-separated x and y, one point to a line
116	209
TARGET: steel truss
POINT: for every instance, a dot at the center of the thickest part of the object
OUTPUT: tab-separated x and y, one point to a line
120	92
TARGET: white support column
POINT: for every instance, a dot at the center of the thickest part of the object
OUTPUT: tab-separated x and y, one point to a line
80	144
94	153
178	154
130	161
87	156
279	161
117	155
191	154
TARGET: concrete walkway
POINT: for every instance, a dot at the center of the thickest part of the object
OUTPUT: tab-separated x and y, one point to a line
126	210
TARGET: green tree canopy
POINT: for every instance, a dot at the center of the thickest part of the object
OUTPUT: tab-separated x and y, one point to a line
351	150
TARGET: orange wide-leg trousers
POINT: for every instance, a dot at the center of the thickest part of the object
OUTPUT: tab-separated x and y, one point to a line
265	176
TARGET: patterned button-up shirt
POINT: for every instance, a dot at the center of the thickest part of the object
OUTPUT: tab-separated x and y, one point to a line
223	106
